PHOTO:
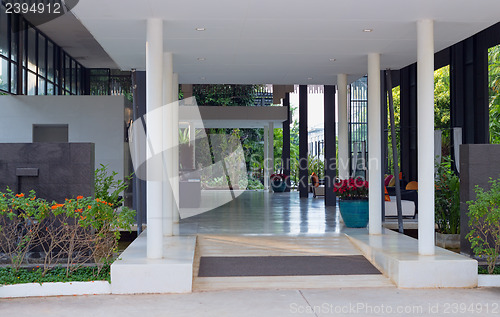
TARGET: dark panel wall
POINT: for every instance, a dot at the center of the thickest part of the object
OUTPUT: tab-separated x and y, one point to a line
330	145
65	170
285	154
303	148
408	113
478	162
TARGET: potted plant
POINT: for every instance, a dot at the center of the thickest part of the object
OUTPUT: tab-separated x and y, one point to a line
278	182
353	201
447	206
484	222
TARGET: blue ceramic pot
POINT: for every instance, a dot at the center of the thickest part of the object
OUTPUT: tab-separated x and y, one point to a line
278	185
354	213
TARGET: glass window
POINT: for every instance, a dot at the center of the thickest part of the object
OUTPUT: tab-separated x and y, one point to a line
24	81
67	72
79	80
31	84
13	78
14	44
4	74
31	49
4	30
41	56
73	77
50	89
50	61
41	85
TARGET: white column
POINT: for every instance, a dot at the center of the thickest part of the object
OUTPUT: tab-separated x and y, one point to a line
374	145
270	151
175	163
154	65
425	118
343	163
266	158
168	143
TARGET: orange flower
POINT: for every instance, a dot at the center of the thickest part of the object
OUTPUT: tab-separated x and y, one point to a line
97	199
79	197
79	210
83	218
90	207
20	195
33	198
57	206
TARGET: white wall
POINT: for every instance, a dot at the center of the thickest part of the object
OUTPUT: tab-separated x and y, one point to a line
96	119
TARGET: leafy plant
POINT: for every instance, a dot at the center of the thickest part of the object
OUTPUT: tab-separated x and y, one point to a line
79	231
484	221
447	198
108	188
9	276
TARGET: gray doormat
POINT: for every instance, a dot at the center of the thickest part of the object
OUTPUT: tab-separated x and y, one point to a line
285	266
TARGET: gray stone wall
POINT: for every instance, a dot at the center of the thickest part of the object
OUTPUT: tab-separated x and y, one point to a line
478	162
65	170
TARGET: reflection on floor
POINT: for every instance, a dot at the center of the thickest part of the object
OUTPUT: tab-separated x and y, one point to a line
258	213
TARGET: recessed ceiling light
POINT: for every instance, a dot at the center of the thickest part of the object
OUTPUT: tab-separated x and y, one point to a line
309	78
367	30
200	29
201	59
333	59
202	78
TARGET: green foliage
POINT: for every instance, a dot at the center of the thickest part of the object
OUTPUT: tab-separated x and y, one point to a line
494	93
484	270
108	188
224	95
442	98
447	198
10	276
254	184
80	230
484	221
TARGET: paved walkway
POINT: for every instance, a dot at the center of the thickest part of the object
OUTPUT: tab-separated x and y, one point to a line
335	302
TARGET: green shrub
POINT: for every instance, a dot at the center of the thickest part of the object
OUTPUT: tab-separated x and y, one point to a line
81	230
484	221
447	199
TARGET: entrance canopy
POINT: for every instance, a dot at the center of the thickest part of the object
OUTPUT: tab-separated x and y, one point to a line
279	42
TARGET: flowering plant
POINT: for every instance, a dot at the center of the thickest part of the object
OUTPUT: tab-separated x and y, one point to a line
351	189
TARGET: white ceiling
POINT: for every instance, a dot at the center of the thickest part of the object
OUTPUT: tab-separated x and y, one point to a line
279	41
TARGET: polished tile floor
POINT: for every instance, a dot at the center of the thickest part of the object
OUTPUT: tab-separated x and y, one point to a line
263	213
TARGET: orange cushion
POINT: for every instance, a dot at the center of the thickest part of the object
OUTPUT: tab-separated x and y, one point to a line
412	186
387	197
315	179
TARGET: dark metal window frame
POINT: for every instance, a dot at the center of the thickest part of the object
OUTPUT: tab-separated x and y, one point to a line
20	67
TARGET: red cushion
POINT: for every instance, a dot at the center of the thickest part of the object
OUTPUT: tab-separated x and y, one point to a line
387	180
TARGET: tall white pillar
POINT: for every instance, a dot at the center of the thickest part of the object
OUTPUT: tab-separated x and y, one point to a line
343	163
175	162
266	158
154	68
425	118
374	145
168	143
270	151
